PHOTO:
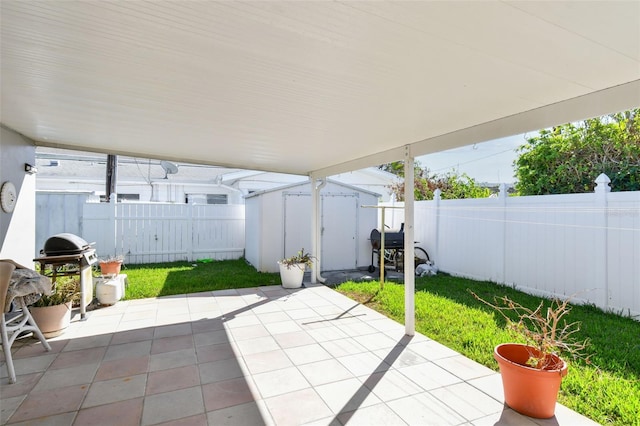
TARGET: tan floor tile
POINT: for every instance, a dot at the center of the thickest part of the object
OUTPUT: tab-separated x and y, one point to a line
129	336
309	353
172	330
252	346
267	361
226	393
128	350
249	332
171	344
220	370
212	353
293	339
122	413
364	363
298	407
463	367
212	337
50	402
279	382
468	401
115	390
163	407
78	357
207	325
172	379
29	365
343	347
424	408
243	414
429	376
346	395
122	368
327	371
25	383
88	342
379	414
80	375
173	359
64	419
197	420
390	385
9	406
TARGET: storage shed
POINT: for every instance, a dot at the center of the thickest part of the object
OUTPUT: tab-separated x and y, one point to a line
277	225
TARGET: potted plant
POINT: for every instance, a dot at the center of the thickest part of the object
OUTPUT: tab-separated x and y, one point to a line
532	372
111	265
52	312
292	269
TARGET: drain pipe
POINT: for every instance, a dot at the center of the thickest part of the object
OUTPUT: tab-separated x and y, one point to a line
315	228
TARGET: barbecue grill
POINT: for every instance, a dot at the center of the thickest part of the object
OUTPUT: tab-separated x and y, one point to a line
69	255
393	249
393	240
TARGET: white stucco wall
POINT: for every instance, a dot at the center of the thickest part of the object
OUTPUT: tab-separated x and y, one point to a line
18	229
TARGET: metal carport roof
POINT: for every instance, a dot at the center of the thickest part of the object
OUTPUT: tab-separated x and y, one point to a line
308	87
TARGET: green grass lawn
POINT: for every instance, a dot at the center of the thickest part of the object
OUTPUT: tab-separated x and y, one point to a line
607	390
165	279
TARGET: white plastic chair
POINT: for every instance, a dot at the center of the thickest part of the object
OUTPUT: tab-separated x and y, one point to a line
12	324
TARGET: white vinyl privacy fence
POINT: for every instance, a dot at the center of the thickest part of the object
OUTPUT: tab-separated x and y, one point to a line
145	232
581	245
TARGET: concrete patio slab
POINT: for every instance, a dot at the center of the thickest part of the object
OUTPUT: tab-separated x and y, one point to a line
253	356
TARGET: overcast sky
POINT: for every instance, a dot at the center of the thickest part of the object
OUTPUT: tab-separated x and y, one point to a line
486	162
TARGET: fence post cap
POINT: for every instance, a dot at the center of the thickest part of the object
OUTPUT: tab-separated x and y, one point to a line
602	182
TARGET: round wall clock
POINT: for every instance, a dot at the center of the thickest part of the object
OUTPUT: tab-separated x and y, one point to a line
8	197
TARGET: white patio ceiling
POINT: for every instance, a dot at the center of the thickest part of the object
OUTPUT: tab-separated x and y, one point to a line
308	87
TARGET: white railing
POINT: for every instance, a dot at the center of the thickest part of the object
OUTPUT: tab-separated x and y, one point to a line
582	245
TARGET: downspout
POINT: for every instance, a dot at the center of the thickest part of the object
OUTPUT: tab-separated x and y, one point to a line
315	228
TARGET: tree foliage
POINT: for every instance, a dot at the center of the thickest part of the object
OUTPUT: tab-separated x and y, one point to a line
569	158
452	185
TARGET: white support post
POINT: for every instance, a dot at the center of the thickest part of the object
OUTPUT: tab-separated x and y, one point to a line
314	228
409	265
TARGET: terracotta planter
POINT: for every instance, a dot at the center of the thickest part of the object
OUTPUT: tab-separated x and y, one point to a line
527	390
110	268
52	320
292	276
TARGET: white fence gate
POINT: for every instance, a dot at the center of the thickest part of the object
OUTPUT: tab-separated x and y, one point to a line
146	232
581	245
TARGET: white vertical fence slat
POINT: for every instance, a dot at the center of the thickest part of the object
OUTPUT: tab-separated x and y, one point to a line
145	232
586	246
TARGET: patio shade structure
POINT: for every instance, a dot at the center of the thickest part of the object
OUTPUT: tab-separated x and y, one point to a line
310	88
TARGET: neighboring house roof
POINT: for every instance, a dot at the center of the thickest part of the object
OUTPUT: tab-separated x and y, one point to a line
83	167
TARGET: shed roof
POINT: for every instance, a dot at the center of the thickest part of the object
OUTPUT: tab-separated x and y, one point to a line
290	186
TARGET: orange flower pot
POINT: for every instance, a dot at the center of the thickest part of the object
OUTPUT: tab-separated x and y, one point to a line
527	390
110	268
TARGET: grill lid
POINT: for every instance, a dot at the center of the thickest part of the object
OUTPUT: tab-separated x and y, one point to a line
65	244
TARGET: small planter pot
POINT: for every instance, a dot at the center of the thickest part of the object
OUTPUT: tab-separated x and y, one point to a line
110	268
52	320
292	276
527	390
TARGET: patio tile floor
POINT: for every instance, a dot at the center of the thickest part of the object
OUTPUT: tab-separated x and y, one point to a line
254	356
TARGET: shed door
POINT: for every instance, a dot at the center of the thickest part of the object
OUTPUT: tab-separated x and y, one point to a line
339	221
297	223
339	232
